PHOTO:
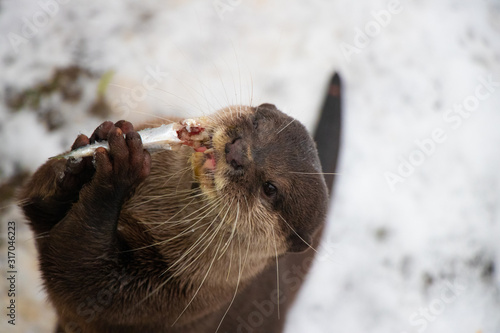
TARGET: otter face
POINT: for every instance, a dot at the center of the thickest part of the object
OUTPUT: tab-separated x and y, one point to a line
265	165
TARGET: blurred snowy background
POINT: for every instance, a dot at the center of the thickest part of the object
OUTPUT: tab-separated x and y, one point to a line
413	237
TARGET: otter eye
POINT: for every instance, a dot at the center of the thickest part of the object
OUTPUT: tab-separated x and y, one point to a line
269	189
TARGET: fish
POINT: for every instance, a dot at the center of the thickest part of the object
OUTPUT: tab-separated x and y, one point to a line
189	132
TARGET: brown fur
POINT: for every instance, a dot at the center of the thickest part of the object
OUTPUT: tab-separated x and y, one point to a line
142	242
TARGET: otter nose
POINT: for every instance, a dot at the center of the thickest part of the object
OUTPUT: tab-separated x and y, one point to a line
235	155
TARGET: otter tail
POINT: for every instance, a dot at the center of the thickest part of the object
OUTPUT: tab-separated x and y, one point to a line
327	134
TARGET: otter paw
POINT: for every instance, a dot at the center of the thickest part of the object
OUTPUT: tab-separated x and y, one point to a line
77	172
126	163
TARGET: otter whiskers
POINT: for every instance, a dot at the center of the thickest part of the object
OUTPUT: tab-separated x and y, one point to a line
277	274
240	270
193	246
211	263
295	232
180	260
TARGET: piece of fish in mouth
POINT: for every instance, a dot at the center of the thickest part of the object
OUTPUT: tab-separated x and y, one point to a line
188	132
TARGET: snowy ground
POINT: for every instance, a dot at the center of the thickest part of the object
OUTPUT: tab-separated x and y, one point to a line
413	239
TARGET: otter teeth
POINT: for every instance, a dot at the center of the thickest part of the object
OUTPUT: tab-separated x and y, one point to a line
208	151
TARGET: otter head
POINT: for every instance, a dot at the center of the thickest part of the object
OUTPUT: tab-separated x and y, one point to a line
265	166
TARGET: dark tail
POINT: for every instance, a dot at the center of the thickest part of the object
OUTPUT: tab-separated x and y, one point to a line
327	134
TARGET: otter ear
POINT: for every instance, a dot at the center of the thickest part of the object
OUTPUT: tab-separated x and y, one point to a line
267	106
299	244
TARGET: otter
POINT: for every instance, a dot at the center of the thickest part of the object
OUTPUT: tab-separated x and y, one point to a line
180	241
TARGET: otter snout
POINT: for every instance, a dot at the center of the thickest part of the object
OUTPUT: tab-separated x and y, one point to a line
235	154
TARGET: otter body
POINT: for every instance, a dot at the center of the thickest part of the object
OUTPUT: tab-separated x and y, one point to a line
180	241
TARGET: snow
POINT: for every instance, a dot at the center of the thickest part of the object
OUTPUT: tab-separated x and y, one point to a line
392	252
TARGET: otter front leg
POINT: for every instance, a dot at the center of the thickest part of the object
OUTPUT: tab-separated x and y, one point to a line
55	186
90	225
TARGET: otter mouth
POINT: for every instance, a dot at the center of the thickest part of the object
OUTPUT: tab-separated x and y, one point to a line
204	163
208	157
193	133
